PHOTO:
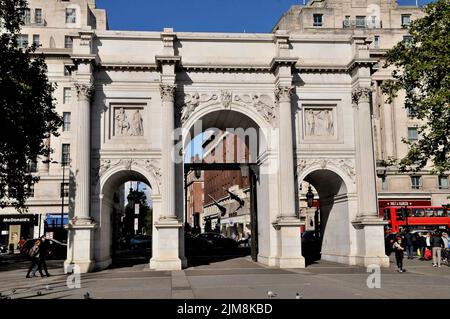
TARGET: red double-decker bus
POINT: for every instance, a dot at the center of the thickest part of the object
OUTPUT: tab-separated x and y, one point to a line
431	218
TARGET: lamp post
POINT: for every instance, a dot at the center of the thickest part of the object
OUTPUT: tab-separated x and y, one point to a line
310	197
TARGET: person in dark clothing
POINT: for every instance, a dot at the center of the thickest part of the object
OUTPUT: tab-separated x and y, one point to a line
421	244
399	251
437	243
35	260
43	255
409	241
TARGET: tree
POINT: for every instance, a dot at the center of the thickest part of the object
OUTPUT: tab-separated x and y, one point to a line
145	213
27	109
422	69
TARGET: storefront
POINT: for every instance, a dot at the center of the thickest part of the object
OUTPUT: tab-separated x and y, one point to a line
14	227
53	228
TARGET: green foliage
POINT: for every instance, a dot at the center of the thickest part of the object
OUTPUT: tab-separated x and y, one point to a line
26	106
422	70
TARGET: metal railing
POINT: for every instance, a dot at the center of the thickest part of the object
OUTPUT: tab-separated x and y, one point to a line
362	24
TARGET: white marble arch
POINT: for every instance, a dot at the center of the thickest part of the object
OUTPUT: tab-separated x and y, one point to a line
268	248
103	207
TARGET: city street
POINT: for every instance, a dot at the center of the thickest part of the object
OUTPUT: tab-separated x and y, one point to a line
237	278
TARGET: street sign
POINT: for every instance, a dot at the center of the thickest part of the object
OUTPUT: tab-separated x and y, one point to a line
136	209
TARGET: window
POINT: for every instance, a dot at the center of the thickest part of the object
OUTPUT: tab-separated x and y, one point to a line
68	42
71	15
27	17
360	21
347	22
411	112
32	166
66	121
65	155
67	95
406	20
22	40
373	21
36	40
377	42
443	182
413	134
67	71
384	183
31	190
318	19
38	16
416	182
64	190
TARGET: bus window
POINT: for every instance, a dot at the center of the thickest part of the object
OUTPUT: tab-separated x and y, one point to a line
387	214
429	212
399	214
418	212
440	212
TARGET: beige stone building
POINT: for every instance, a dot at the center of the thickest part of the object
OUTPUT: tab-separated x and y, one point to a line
305	89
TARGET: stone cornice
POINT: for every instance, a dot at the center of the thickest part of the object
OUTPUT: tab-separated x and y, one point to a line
283	61
167	59
128	67
361	63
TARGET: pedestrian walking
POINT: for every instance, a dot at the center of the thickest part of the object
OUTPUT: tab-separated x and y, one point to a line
437	243
34	254
409	243
445	251
399	252
43	255
421	244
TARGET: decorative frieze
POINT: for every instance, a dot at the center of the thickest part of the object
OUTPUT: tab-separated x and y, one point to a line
346	165
151	165
226	97
262	103
188	103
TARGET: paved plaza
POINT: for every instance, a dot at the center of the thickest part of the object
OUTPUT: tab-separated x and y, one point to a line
238	278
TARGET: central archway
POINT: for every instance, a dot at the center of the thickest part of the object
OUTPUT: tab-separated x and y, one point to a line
252	130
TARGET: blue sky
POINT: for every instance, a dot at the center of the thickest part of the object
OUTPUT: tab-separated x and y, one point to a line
200	15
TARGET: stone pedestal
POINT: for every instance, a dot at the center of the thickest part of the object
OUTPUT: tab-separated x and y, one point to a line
370	249
290	244
80	250
165	256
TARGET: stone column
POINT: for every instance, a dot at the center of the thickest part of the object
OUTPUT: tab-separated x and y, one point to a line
369	227
288	223
168	110
166	249
366	167
286	153
80	228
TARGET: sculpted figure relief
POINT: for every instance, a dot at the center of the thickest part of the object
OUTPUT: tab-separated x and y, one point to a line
138	128
122	123
319	122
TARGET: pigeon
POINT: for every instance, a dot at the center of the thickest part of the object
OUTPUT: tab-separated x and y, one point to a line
87	295
271	294
298	296
14	290
39	293
47	287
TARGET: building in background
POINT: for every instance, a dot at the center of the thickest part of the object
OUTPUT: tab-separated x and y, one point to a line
226	193
194	199
385	23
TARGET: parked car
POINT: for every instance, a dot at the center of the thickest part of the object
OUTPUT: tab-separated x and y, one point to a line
141	242
3	249
195	245
219	241
55	248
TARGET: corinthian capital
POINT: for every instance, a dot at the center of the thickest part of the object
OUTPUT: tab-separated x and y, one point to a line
167	92
361	95
284	93
84	91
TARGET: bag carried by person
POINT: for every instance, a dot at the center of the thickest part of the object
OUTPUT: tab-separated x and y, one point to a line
427	254
33	251
418	251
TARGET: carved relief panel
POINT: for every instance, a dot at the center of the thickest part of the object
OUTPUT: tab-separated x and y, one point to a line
319	122
127	121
